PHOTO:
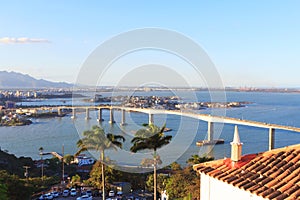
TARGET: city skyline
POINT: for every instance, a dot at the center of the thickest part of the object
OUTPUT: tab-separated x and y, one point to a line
251	44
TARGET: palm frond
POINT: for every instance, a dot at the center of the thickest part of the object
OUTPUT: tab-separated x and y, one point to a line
156	138
80	151
96	139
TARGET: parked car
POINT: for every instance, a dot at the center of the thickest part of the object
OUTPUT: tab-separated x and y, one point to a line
49	196
85	197
65	193
73	192
111	193
89	193
42	197
55	194
119	193
130	197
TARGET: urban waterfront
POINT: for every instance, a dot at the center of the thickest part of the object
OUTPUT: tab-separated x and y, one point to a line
53	133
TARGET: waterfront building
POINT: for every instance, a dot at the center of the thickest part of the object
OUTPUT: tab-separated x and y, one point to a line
269	175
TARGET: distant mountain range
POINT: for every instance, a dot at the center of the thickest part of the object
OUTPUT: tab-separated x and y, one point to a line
19	80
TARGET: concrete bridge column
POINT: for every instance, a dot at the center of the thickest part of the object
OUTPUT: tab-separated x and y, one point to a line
151	119
100	115
87	114
59	111
123	120
210	131
271	138
111	116
73	113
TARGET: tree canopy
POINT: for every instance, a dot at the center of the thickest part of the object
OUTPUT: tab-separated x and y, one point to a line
151	137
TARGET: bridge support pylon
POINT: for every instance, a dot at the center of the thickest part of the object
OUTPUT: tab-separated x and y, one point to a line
73	113
100	115
87	114
111	116
59	111
210	131
123	120
271	138
151	119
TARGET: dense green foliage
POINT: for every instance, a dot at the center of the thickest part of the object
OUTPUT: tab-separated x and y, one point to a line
16	188
14	165
13	184
180	183
3	191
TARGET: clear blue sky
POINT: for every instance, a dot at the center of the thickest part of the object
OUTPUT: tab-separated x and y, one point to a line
252	43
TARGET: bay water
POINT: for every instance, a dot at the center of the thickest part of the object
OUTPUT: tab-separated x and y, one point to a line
54	133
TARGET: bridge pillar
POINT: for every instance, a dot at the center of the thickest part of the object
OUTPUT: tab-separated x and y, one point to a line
271	138
210	131
87	114
100	115
111	116
151	119
58	111
73	113
123	120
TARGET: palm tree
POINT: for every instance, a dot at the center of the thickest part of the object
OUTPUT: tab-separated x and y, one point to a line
96	139
152	138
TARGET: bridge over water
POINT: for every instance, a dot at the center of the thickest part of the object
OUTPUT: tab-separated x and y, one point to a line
210	119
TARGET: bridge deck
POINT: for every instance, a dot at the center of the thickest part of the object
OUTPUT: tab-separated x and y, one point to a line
203	117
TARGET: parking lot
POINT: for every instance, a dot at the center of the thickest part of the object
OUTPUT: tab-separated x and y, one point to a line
131	196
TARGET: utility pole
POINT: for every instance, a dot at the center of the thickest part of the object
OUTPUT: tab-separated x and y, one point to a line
155	175
41	149
63	165
26	174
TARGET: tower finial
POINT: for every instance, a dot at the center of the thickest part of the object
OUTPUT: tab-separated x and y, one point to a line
236	146
236	137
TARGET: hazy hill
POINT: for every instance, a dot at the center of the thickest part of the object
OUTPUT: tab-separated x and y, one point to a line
18	80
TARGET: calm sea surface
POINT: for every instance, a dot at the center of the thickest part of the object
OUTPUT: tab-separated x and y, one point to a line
53	133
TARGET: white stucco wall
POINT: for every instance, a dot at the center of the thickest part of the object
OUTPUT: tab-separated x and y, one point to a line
213	189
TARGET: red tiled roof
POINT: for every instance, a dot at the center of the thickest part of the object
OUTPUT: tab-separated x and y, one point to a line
273	174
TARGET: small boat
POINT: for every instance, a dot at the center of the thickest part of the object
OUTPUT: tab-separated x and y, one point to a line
207	142
167	129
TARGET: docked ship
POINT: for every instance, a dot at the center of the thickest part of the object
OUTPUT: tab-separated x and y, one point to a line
211	142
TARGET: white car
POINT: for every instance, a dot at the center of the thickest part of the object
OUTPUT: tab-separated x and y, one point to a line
111	193
89	193
55	194
73	192
43	197
85	197
48	196
119	193
65	193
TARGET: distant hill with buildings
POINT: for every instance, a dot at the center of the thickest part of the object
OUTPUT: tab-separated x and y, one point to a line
19	80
